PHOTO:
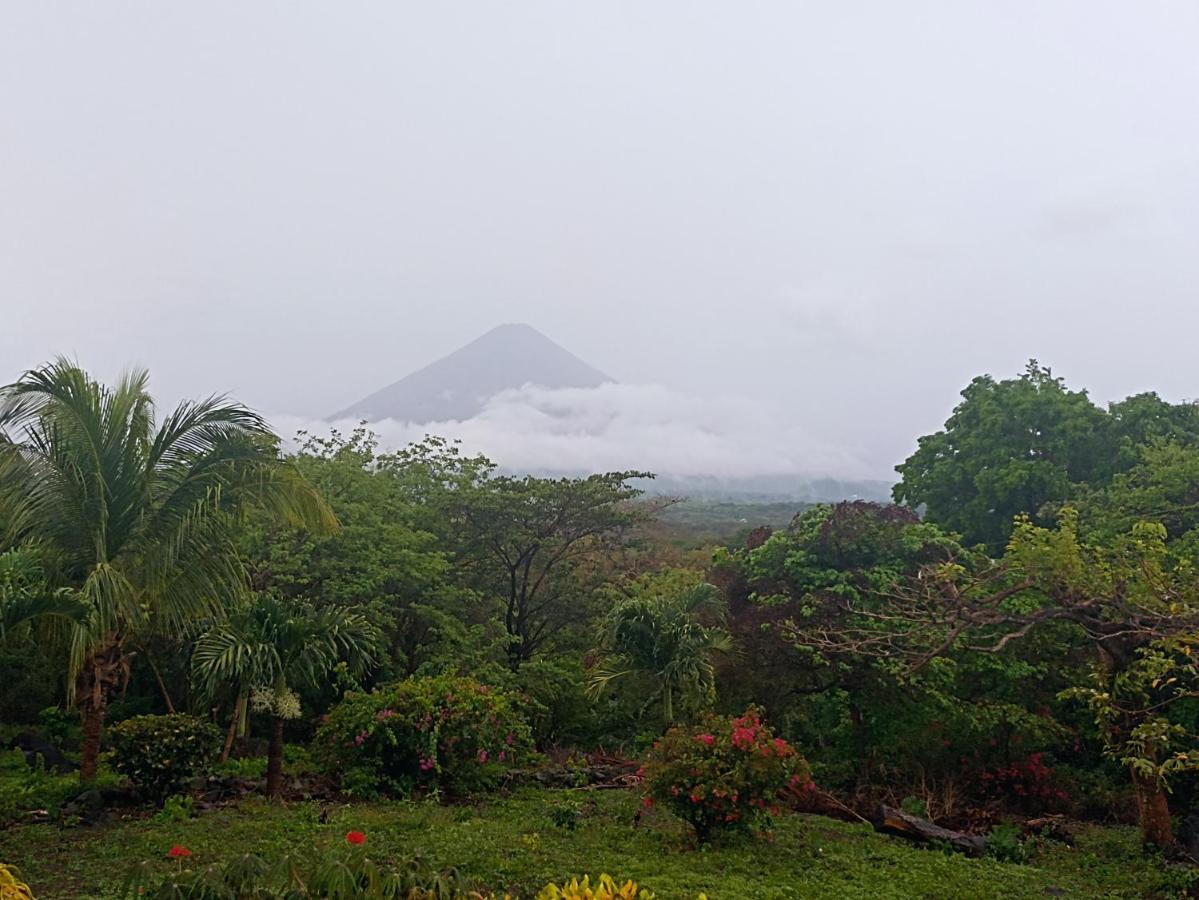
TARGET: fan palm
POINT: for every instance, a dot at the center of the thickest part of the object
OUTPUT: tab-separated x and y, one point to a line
137	517
659	633
271	647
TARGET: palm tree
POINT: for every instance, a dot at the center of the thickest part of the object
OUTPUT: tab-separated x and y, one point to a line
25	597
269	648
659	633
137	517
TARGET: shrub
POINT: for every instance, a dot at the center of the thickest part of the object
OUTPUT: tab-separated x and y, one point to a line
1027	783
1006	843
724	773
444	733
605	888
160	753
61	727
565	815
177	808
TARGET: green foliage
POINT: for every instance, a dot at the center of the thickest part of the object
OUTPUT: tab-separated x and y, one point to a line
1006	843
444	733
59	726
26	596
565	815
529	541
1009	448
274	645
1133	706
176	808
809	859
24	789
135	517
724	773
342	876
160	753
384	562
1012	447
1161	485
665	631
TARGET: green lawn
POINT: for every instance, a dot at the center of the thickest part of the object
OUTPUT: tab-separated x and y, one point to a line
511	843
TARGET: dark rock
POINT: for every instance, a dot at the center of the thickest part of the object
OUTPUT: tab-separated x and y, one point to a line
34	745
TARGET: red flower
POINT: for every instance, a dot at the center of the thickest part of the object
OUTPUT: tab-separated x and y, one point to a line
647	801
706	739
178	852
355	837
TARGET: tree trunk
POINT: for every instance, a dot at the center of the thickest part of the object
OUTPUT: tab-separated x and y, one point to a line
93	725
274	759
232	732
166	695
1154	812
890	820
105	670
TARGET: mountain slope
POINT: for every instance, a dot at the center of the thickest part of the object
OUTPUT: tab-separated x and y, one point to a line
458	386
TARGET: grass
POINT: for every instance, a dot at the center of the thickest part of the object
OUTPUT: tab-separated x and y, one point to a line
517	843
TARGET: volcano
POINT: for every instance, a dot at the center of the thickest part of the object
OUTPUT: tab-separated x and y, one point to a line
458	386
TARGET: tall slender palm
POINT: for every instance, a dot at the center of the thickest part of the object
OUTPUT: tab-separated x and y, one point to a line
136	516
272	647
659	633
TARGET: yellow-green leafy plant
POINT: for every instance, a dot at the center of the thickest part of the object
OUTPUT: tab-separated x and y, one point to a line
11	886
605	888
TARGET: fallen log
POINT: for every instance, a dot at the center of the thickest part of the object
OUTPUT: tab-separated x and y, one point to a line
890	820
1053	827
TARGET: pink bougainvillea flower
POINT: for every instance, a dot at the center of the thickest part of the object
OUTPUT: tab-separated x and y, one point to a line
355	837
706	739
482	756
178	852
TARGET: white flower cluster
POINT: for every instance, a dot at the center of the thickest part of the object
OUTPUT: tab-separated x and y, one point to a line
285	704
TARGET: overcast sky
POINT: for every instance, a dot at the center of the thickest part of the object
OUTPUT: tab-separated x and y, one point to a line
837	211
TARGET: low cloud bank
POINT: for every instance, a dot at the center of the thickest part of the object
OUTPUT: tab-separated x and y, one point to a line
624	426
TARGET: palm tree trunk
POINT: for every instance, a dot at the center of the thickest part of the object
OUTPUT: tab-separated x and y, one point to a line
1154	813
232	732
274	759
668	706
93	726
105	670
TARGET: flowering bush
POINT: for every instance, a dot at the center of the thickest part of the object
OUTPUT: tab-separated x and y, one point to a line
724	773
605	888
1028	783
447	733
160	753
